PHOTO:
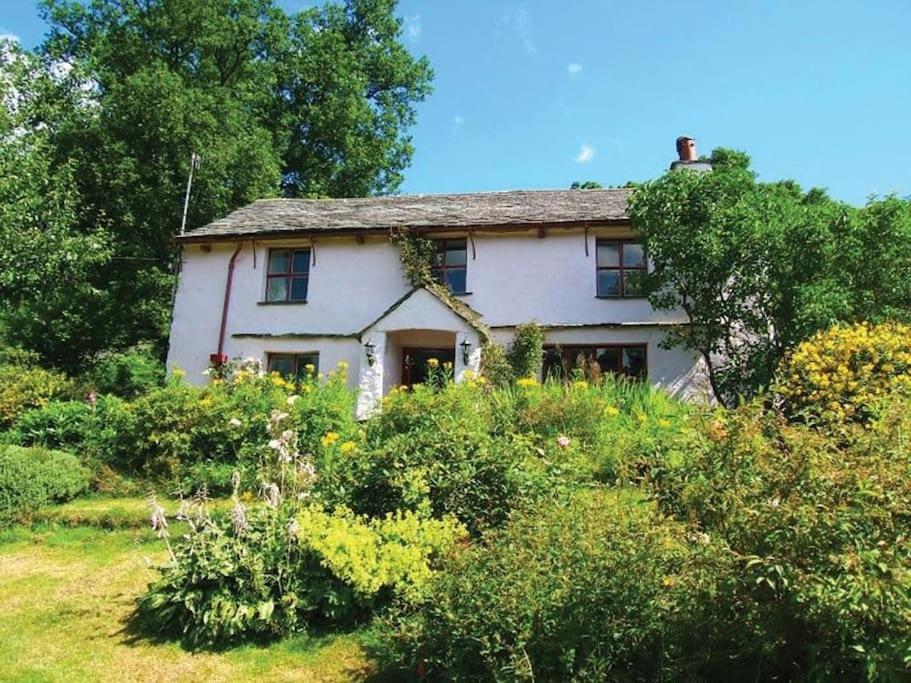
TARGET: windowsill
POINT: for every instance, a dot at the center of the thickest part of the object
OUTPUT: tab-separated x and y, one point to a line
280	303
621	298
461	293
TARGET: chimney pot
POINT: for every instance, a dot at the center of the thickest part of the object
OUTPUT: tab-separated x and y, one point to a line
686	148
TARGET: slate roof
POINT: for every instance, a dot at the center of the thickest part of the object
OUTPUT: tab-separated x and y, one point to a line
278	217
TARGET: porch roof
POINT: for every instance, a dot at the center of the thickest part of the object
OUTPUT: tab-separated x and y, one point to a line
462	310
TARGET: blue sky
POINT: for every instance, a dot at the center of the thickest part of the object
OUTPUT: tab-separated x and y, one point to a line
536	94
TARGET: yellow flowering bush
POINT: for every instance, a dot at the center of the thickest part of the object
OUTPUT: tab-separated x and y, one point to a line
842	373
25	387
394	551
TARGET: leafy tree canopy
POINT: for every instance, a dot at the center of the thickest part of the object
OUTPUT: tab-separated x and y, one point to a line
759	267
586	185
316	103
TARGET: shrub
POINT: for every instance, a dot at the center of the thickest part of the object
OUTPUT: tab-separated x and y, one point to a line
594	589
526	352
435	452
190	436
127	373
821	528
495	367
844	372
23	387
624	427
283	565
32	477
284	570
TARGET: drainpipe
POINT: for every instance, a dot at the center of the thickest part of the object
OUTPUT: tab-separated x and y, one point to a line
220	357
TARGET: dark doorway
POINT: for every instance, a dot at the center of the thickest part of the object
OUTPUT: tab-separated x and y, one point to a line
414	363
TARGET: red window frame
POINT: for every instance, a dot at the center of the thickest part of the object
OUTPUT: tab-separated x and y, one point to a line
570	352
289	274
620	269
440	269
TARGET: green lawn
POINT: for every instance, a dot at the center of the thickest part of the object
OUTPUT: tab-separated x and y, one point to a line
67	590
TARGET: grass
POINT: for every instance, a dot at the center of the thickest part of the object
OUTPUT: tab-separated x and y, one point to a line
111	513
67	594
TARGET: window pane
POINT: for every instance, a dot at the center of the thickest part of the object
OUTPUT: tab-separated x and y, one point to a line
455	280
278	261
633	255
634	361
299	289
632	283
609	359
283	365
277	289
456	255
608	283
307	365
552	367
608	255
302	261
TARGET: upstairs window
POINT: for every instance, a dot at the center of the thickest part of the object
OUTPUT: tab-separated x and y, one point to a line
621	266
294	366
450	263
289	272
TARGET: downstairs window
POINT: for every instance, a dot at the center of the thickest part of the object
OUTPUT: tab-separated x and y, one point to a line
624	360
296	366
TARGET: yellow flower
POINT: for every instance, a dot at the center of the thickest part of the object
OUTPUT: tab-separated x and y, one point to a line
663	423
347	447
179	373
527	381
329	439
343	365
447	365
580	384
310	368
432	362
611	411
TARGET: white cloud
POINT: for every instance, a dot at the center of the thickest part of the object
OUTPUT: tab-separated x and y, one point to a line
573	68
413	28
517	22
457	120
586	154
12	37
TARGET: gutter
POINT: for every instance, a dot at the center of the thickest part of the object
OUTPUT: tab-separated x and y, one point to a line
219	358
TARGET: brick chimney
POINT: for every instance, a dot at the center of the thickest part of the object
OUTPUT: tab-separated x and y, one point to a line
688	159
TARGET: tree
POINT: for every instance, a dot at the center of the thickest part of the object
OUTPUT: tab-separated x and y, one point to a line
44	255
759	267
586	185
316	103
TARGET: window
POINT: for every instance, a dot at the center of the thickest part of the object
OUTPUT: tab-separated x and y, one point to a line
298	366
450	264
289	271
626	361
621	266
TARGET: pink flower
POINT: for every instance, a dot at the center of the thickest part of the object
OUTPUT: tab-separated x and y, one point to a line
563	441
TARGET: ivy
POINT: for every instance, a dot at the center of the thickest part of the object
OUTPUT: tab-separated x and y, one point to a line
417	255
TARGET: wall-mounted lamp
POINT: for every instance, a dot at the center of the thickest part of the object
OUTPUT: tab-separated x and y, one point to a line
466	350
370	351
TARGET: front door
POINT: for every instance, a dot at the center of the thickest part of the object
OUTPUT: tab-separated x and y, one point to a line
414	363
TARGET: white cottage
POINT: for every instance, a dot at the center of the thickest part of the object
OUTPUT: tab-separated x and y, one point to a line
293	282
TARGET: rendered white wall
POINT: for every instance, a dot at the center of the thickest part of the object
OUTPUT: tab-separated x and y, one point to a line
514	278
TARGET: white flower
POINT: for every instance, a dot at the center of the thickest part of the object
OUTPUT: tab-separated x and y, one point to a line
271	495
291	399
238	516
234	422
293	528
